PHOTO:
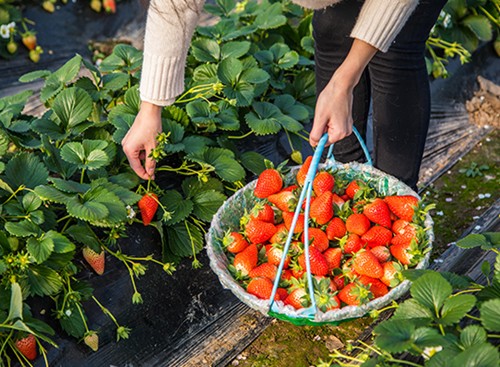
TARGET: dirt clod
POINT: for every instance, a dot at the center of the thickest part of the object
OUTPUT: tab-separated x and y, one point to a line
333	343
484	107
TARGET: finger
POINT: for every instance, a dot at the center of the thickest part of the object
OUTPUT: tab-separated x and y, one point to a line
150	166
317	132
135	163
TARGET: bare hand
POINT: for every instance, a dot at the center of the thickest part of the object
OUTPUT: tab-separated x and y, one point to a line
141	139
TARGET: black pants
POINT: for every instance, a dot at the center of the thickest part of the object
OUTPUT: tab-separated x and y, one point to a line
396	82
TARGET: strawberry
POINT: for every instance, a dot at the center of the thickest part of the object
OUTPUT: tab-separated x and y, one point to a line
382	253
92	340
317	238
258	231
378	212
148	205
324	290
402	205
365	263
246	260
297	270
298	298
337	200
302	173
281	234
352	189
321	209
94	259
284	200
377	288
377	236
336	229
234	242
264	270
339	281
29	40
318	263
96	5
281	294
268	183
405	232
275	254
109	6
261	287
290	188
27	346
288	218
323	182
354	294
286	275
333	257
402	253
48	6
357	223
351	243
391	277
34	55
262	212
12	47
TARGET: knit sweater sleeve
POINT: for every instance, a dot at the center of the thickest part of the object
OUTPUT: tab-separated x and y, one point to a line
380	21
169	27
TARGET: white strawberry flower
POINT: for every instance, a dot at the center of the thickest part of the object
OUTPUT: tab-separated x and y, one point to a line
430	351
130	212
4	31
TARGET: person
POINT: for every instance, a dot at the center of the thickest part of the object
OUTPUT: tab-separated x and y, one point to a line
366	51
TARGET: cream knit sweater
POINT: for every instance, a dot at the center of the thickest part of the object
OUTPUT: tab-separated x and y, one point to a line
170	26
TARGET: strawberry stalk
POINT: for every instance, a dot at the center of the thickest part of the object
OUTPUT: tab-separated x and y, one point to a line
122	332
196	263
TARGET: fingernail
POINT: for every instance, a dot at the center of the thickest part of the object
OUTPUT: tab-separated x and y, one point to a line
151	171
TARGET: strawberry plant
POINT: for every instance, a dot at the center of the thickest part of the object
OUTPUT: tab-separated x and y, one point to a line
448	321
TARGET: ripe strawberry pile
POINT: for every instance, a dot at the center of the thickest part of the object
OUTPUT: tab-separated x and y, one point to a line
359	241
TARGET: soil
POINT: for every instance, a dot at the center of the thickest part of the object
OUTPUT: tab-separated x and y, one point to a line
484	107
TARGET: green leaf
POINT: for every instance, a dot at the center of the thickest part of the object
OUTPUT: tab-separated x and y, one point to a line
56	81
44	281
205	50
288	60
307	43
25	169
480	25
229	70
472	240
69	186
116	208
205	74
40	248
394	336
234	49
431	290
263	120
289	106
72	107
44	126
479	355
411	309
86	210
192	186
34	75
206	204
125	195
83	234
254	75
4	142
5	186
455	308
472	335
89	154
61	243
179	207
490	314
16	303
223	162
124	57
253	161
183	237
31	202
115	81
270	17
427	337
24	228
242	92
50	193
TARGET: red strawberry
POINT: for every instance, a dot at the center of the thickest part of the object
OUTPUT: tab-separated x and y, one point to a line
302	173
286	275
275	254
290	188
357	223
268	183
339	281
264	270
402	205
323	182
354	294
351	243
377	236
317	238
27	347
92	340
258	231
336	229
29	40
322	208
401	252
261	287
246	260
391	272
94	259
337	200
262	212
284	200
378	288
333	257
378	212
148	206
298	298
281	234
234	242
352	189
318	263
288	218
382	253
365	263
281	294
405	232
109	6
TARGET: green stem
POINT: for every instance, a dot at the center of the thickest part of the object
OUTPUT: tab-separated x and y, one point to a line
490	17
191	239
106	311
473	317
63	218
6	340
66	224
240	136
82	175
496	336
81	315
20	188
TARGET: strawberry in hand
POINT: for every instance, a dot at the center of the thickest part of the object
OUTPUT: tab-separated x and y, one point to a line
148	205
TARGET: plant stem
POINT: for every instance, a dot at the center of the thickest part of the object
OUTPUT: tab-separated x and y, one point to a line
473	317
81	315
82	175
240	136
496	336
472	290
106	311
191	239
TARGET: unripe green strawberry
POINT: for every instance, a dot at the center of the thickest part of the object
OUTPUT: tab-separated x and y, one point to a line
48	6
92	340
96	5
12	47
34	56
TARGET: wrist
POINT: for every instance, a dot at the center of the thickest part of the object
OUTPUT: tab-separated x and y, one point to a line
150	108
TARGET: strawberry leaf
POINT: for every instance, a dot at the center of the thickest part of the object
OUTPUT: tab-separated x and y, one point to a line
56	81
16	303
72	107
24	228
179	207
431	290
115	81
253	161
43	281
472	335
263	119
183	237
31	202
234	49
490	314
40	248
411	309
45	126
270	17
61	243
478	355
50	193
427	337
125	195
122	122
394	336
196	143
83	234
115	207
87	210
254	75
69	186
205	74
89	154
124	57
192	186
229	70
25	169
34	75
206	204
455	308
205	50
223	162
